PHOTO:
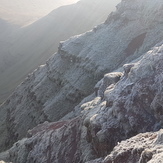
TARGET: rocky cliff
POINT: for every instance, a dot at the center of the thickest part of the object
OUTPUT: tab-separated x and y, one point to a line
128	106
30	46
60	117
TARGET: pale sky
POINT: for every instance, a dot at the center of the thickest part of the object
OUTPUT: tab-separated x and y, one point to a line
25	11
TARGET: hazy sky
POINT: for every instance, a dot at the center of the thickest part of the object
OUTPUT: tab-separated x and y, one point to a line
26	11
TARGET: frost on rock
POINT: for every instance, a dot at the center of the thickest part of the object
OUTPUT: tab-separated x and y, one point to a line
130	105
131	109
142	148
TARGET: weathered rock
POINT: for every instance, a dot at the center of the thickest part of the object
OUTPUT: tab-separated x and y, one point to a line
127	68
131	106
100	127
110	78
142	148
52	142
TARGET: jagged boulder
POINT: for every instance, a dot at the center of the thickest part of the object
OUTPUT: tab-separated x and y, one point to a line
131	106
143	148
110	78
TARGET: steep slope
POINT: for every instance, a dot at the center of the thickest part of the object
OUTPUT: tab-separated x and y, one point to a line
33	45
6	30
54	89
6	58
130	106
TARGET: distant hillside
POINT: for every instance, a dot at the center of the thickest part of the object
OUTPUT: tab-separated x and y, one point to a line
33	45
6	30
27	11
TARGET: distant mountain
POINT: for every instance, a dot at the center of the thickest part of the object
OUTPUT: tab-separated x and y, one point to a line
6	58
27	11
6	30
33	45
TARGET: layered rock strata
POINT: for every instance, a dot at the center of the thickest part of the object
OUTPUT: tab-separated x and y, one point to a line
126	104
131	105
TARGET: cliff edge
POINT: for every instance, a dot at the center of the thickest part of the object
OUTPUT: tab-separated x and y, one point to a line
83	125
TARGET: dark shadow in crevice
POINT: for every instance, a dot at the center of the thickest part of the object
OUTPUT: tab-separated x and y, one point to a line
135	44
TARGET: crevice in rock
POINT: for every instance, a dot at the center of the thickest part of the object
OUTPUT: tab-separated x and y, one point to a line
135	44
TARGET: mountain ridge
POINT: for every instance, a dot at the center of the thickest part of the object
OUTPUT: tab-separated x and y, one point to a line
78	125
31	46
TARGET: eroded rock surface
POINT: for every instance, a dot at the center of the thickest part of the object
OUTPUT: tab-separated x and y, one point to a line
142	148
56	88
130	106
57	142
126	104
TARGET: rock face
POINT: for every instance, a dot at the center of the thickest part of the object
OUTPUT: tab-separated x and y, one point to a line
142	148
56	88
125	105
132	105
32	45
56	134
56	142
